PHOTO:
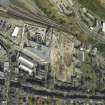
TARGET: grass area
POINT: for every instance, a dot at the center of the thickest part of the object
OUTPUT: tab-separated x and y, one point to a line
95	6
82	37
85	39
101	48
88	71
51	11
3	57
89	76
32	101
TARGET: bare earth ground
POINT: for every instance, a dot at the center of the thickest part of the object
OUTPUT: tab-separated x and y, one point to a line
102	2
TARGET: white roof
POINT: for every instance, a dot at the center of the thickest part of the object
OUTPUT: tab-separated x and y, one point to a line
15	32
103	27
91	28
81	48
26	62
23	67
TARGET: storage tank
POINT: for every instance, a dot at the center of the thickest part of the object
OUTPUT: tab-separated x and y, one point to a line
25	69
26	62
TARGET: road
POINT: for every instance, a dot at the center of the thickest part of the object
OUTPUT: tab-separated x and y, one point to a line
85	28
42	91
7	74
29	88
35	89
25	14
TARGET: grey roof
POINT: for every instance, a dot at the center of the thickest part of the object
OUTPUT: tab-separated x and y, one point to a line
41	51
4	3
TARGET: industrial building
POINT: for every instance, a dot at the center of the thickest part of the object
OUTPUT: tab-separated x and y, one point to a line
25	62
26	65
22	67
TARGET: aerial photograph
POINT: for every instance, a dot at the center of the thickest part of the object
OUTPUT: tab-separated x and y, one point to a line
52	52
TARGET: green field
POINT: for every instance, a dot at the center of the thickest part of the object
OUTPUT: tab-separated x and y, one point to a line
94	6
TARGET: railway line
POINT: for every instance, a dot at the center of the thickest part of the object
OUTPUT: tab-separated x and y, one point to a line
58	92
41	91
85	28
20	13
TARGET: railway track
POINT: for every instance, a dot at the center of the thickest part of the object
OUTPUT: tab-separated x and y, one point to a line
62	90
20	13
54	93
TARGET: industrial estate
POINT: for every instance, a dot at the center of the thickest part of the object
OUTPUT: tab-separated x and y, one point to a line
52	52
